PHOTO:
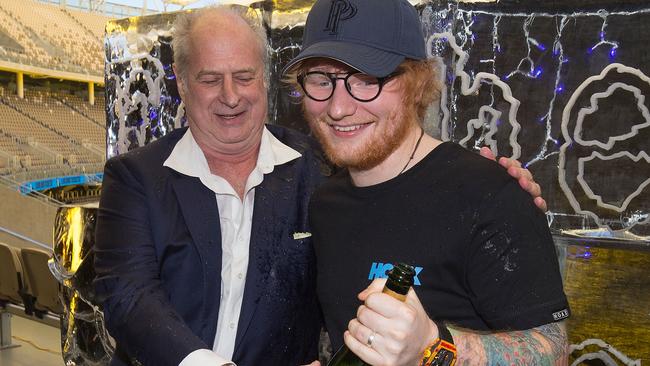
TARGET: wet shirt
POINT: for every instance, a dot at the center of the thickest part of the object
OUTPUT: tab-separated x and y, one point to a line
236	219
482	250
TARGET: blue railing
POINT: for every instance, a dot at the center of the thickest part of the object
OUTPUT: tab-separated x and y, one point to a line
43	184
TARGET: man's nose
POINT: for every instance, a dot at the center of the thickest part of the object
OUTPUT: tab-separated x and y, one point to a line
230	95
341	104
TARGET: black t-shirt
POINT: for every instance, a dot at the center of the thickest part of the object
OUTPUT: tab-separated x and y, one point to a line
484	257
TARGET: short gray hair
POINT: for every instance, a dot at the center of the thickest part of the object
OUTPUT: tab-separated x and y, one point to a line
183	30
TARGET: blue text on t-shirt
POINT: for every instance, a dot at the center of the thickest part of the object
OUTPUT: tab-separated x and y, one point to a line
378	270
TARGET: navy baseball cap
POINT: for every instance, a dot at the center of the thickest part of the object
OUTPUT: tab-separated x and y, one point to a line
372	36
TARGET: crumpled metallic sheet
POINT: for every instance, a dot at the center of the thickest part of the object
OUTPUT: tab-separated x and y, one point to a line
142	101
285	25
84	340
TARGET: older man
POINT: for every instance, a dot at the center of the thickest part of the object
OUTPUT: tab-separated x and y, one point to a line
199	256
488	289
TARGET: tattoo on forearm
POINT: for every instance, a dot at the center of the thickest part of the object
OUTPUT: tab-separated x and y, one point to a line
556	336
545	345
522	348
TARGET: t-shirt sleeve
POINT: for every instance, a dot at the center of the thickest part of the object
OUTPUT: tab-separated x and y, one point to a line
512	270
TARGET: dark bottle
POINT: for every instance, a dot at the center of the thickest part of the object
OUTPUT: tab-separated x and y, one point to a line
400	279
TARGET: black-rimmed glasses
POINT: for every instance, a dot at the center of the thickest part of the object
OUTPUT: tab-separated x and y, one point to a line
320	85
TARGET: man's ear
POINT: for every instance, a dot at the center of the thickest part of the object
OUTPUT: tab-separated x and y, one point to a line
180	82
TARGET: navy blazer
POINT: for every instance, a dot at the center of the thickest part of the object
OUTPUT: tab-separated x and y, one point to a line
158	260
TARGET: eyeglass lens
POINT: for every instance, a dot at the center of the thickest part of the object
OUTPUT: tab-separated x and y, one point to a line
320	86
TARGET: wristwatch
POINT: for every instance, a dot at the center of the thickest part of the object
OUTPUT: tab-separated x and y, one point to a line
442	351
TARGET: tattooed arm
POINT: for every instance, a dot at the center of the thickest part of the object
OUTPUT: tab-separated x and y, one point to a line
544	345
391	332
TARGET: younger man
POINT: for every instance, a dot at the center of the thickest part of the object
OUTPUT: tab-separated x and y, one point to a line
486	267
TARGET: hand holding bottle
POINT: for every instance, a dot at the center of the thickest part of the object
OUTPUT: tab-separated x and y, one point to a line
398	331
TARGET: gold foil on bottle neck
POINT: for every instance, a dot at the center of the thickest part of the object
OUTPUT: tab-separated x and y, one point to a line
394	294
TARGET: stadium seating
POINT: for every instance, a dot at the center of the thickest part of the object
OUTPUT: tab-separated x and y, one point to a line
11	275
20	120
51	128
11	287
52	37
19	151
95	113
48	128
95	23
27	289
41	284
50	109
27	52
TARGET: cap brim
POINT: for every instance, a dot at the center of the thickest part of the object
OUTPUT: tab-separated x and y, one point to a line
369	60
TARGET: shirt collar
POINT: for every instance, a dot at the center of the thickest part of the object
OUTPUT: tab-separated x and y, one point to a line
188	158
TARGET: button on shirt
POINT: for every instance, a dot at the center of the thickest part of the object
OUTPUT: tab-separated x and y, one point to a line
236	217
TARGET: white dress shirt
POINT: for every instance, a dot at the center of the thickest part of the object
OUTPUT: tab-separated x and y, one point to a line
236	217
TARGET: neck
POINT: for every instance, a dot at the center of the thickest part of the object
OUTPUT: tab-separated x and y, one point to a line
234	168
398	161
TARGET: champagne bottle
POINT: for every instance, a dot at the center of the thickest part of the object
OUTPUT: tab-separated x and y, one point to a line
400	279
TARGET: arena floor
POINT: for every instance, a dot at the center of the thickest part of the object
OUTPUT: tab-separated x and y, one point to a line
39	344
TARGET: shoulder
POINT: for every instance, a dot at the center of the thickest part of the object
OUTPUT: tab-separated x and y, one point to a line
150	156
294	139
468	163
469	171
143	163
336	189
307	146
494	196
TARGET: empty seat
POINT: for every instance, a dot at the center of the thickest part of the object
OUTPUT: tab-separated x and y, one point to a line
11	275
41	283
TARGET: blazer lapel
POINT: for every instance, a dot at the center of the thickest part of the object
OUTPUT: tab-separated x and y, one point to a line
199	207
269	208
